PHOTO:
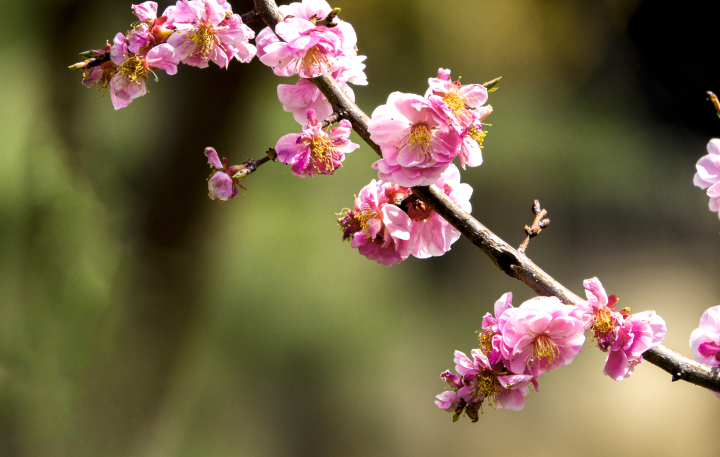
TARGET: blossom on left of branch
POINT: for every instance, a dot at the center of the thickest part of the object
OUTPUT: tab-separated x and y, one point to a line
192	32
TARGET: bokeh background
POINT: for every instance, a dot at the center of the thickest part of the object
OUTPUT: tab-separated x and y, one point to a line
139	318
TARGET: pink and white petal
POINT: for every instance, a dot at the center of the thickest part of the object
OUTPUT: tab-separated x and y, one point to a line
220	186
163	56
213	158
146	11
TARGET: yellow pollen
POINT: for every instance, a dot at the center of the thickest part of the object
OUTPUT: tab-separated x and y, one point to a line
203	38
486	386
486	338
314	58
420	136
545	348
322	151
456	103
603	321
363	218
133	70
476	134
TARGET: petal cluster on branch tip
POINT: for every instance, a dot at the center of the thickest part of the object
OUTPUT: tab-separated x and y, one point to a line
315	150
705	340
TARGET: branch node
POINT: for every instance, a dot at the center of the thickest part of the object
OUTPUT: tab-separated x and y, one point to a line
677	376
538	224
250	16
336	116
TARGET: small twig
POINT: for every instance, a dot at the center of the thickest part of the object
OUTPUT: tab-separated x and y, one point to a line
538	224
250	16
714	100
336	116
253	165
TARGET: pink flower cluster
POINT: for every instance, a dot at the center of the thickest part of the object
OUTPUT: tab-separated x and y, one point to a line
518	345
311	41
624	337
705	340
315	150
193	32
388	224
420	136
708	174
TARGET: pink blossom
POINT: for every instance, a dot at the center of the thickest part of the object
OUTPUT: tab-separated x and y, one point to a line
146	11
622	336
708	174
479	381
431	234
462	108
541	335
206	30
637	334
128	82
599	313
417	144
223	181
310	10
376	226
315	150
491	337
299	97
307	50
705	340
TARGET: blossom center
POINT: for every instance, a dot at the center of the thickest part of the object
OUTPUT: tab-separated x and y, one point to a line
545	349
203	39
420	137
133	70
313	59
603	321
456	103
363	218
486	339
486	386
476	134
322	152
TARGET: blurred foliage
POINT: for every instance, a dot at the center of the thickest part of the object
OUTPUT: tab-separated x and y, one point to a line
138	318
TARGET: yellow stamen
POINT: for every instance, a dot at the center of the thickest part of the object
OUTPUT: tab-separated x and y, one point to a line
545	348
603	321
322	151
133	70
486	338
420	136
313	59
486	386
476	134
203	39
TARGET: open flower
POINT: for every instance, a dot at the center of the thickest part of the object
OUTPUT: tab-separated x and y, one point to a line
315	150
223	183
128	82
708	174
491	336
376	226
417	144
540	335
206	30
303	95
624	337
637	334
705	340
462	108
480	382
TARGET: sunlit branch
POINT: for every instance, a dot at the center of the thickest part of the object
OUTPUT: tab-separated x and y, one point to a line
505	257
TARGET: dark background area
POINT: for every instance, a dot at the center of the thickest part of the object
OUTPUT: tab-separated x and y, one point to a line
139	318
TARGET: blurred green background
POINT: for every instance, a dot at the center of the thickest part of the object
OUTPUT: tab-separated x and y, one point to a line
139	318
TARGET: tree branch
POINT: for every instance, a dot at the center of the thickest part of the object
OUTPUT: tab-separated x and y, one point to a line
504	256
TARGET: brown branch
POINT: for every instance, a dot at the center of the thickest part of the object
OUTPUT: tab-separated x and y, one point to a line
509	260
